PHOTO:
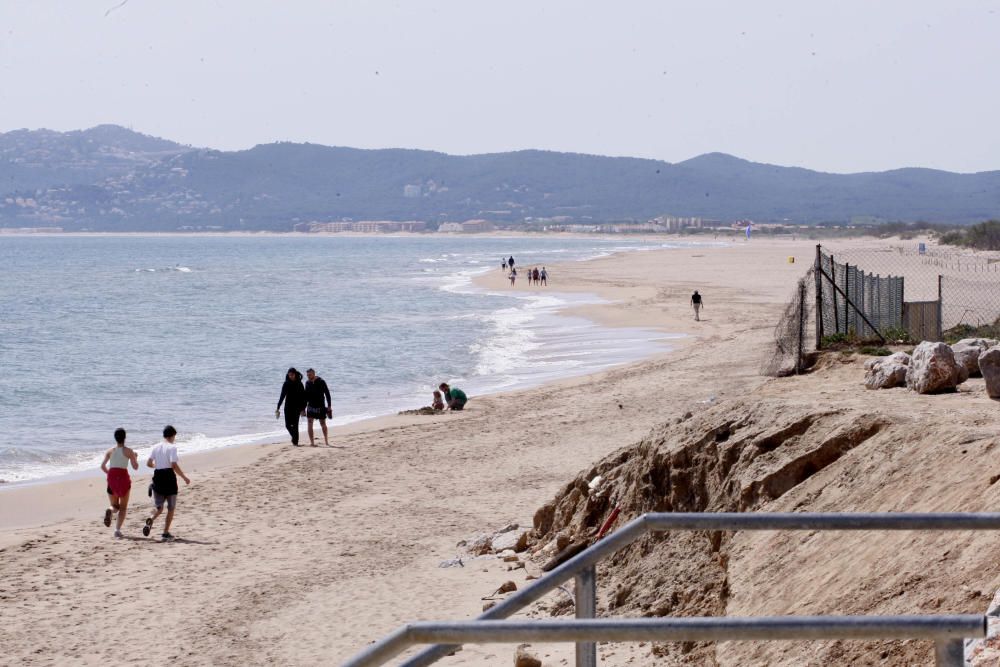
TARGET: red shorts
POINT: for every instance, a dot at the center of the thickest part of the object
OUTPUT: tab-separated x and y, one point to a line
119	483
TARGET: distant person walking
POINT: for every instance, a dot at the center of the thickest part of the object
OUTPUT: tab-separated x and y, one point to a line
453	396
319	405
512	276
697	303
510	262
294	396
535	276
543	276
503	265
163	460
115	466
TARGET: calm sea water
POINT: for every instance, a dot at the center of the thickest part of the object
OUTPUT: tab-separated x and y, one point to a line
100	332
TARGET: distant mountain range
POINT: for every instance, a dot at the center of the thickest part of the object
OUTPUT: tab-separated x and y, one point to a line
109	178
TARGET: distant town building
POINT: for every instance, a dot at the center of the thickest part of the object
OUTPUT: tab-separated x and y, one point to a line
364	226
477	226
450	227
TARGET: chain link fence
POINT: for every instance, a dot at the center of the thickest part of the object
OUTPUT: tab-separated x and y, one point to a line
794	338
856	302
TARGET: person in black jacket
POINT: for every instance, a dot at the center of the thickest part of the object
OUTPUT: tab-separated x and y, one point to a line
319	405
294	396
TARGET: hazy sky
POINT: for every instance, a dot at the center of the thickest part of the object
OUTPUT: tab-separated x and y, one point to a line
835	86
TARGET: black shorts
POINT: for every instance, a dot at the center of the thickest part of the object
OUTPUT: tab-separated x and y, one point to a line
165	482
316	413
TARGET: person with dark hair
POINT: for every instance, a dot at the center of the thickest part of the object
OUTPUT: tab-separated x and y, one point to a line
510	263
163	460
454	397
544	276
697	304
115	466
294	396
319	405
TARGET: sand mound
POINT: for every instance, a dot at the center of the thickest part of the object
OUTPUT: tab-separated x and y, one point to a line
734	457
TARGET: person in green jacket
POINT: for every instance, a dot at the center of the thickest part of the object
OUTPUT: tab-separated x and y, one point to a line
453	396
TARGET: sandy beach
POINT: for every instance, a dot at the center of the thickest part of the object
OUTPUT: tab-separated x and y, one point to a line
304	555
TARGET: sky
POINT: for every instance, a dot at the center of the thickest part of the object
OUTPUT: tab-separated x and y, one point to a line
841	86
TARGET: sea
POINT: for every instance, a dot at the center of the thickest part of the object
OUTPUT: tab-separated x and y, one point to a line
98	332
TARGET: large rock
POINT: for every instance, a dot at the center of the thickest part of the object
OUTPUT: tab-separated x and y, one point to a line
933	369
887	372
989	365
967	353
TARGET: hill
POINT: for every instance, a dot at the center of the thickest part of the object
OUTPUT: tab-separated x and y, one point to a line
109	178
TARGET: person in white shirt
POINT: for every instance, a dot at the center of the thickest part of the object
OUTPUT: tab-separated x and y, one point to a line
163	460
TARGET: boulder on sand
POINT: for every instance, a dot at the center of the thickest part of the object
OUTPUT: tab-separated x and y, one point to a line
989	364
967	353
887	372
933	369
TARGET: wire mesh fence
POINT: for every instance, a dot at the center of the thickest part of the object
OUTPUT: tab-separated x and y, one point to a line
794	339
965	283
970	302
877	293
856	302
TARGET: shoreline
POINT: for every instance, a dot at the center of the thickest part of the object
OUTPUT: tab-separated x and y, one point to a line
478	282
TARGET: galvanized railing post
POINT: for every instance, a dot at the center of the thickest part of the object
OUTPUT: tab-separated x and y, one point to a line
949	653
586	607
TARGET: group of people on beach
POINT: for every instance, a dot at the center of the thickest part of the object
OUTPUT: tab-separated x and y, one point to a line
311	401
163	489
535	277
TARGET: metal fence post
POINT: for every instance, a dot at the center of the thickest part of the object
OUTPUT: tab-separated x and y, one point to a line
949	653
586	607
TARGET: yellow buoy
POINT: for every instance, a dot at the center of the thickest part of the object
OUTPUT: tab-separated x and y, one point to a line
791	260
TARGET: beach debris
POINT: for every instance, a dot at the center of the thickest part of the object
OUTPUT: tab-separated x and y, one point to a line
887	372
564	555
933	369
524	658
595	484
967	353
709	400
609	522
509	527
489	605
989	365
511	558
452	562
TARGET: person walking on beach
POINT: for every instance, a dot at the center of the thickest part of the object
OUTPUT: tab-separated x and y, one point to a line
294	396
696	303
453	396
319	405
510	262
503	264
543	276
535	276
163	460
512	276
115	466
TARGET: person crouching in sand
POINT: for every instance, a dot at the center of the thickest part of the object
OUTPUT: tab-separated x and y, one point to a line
453	396
115	466
163	459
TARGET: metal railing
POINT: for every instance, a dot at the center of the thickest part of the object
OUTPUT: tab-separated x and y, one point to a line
948	632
